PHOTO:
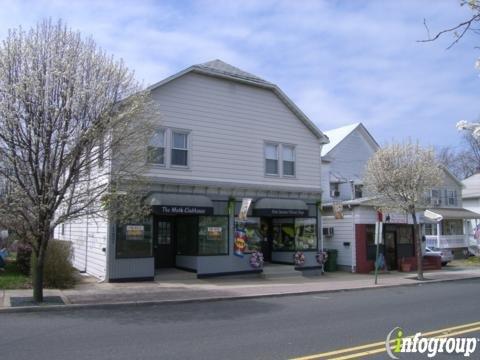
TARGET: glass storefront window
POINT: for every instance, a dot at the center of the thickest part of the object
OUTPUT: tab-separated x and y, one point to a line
294	234
283	234
405	235
134	240
213	235
252	231
186	234
305	234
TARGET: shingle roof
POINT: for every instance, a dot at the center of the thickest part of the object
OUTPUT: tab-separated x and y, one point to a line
222	68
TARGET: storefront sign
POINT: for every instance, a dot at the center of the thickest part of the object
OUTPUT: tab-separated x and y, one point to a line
182	210
246	202
134	232
280	212
240	242
214	233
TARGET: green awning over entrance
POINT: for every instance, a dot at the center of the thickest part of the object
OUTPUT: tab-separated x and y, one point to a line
179	204
280	207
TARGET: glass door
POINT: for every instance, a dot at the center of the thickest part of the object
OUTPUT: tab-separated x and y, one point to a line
164	246
391	250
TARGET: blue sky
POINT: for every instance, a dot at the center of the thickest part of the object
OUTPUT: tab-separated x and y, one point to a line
340	61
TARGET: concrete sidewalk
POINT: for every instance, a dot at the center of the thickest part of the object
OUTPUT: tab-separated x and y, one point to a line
188	288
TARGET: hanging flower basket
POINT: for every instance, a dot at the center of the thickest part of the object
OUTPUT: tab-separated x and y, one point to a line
299	258
256	260
321	257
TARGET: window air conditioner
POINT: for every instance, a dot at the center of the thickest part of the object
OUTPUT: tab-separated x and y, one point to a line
328	231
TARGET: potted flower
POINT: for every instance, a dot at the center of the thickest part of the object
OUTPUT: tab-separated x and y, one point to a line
405	265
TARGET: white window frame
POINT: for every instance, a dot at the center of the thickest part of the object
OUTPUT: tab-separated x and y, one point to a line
165	149
277	147
187	148
294	151
280	168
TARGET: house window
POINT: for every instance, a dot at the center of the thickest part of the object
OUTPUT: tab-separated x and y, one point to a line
179	149
436	197
288	158
452	198
358	191
430	229
334	190
134	240
271	159
156	148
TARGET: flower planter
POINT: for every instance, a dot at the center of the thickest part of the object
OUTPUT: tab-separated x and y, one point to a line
406	267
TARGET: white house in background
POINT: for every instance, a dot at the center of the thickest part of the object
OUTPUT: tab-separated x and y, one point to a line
471	201
454	230
348	217
344	160
343	165
224	135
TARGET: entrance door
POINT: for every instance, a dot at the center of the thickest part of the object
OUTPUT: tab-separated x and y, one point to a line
391	250
164	246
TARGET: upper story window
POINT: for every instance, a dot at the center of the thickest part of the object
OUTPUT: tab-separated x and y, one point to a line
435	197
280	159
452	197
288	157
358	191
334	190
156	148
271	159
179	149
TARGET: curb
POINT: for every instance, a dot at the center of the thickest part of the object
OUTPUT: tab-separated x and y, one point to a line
125	304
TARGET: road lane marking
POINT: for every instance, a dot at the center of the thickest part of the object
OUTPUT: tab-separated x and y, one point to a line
382	349
378	347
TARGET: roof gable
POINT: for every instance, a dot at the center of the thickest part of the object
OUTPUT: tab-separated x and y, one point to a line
338	135
218	68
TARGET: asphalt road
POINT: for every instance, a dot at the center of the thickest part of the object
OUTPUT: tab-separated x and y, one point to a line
269	328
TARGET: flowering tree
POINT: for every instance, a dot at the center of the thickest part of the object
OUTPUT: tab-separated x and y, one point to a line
73	125
399	175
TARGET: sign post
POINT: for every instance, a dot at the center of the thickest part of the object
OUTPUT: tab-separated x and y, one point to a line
378	240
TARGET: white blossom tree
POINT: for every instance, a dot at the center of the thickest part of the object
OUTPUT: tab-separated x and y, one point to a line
398	176
73	126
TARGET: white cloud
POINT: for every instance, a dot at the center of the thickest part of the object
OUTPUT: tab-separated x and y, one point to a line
340	61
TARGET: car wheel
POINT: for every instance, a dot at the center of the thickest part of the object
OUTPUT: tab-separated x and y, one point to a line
444	263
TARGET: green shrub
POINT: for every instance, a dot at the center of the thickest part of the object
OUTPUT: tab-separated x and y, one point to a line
24	254
58	271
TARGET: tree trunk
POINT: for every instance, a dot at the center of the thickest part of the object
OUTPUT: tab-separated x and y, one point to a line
37	269
38	266
418	247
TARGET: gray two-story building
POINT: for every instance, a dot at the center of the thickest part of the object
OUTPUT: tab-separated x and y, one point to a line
224	137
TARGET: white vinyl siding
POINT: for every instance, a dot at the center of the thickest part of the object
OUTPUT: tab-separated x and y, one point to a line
88	236
343	239
230	123
349	159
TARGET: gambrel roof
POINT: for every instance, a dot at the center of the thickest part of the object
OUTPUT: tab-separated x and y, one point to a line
218	68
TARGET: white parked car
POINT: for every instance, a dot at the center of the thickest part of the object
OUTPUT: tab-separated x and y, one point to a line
446	255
